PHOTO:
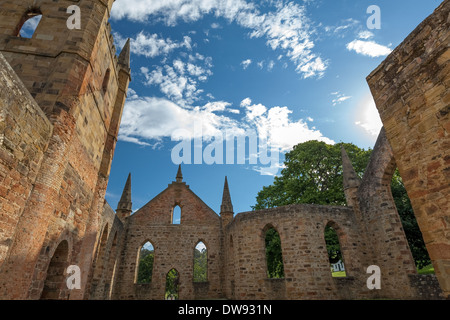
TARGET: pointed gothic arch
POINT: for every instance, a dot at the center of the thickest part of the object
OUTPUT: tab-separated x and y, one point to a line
176	214
172	291
200	262
273	252
145	261
333	245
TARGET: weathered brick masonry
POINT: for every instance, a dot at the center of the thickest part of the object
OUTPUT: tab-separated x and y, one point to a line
411	91
57	142
62	94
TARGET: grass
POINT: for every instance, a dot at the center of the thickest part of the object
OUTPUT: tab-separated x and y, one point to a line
426	270
339	274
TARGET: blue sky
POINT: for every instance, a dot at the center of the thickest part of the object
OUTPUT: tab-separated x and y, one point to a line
287	71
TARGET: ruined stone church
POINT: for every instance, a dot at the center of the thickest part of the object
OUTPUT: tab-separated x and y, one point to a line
62	94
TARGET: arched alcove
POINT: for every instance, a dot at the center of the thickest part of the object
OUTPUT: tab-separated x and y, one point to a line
106	80
55	278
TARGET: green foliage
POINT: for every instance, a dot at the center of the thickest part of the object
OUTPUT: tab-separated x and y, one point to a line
172	283
274	256
200	265
333	247
312	174
145	266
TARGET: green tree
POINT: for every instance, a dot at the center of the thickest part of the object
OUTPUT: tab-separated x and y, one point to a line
312	174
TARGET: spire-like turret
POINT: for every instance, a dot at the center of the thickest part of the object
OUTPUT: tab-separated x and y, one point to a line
124	207
179	177
226	205
226	208
351	180
124	56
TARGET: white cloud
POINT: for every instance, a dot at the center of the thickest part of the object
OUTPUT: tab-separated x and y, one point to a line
151	45
366	34
368	48
150	120
246	63
347	24
287	27
179	81
339	98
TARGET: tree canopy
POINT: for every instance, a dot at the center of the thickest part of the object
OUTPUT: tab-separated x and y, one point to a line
312	174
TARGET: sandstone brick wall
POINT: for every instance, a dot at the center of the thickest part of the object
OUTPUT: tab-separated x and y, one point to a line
386	241
173	244
24	134
411	91
106	256
64	71
307	271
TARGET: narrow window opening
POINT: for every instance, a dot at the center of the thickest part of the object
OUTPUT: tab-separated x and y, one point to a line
274	256
334	253
145	265
200	263
106	80
28	24
172	285
176	215
410	226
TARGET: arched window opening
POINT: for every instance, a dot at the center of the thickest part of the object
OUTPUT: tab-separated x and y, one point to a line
55	278
172	285
274	256
28	24
410	226
176	215
200	263
334	252
106	80
145	263
100	260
